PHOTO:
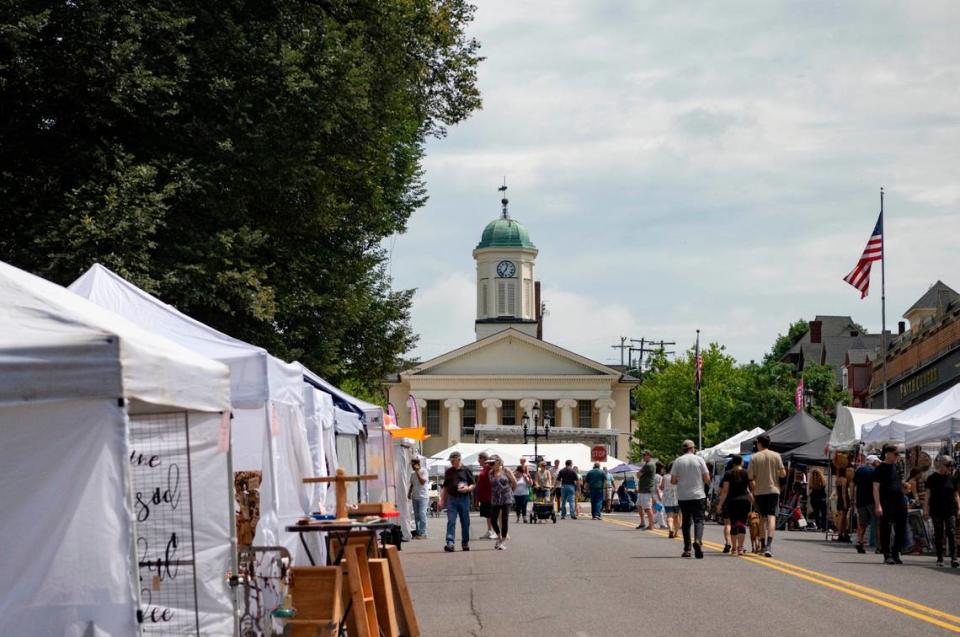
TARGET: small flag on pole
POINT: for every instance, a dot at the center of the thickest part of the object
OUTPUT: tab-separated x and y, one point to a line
698	378
859	277
798	396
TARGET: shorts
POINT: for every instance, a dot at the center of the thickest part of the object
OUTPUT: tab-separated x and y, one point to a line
645	500
767	503
864	515
484	509
675	509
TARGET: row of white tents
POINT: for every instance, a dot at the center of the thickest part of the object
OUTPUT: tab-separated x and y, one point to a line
122	422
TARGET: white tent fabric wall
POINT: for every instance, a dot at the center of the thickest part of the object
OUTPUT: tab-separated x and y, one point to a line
403	453
947	429
894	428
848	425
67	496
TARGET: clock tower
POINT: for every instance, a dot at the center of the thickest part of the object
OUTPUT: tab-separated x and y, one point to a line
506	289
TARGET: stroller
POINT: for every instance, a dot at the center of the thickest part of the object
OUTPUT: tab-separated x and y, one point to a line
543	507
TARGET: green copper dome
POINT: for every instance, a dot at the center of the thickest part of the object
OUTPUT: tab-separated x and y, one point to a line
505	233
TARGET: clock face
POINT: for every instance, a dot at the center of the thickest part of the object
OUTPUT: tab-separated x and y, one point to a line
506	269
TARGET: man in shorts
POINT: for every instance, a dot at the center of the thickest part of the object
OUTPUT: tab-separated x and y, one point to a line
646	488
483	492
863	498
766	471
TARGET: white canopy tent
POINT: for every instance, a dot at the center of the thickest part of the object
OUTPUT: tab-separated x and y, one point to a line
577	452
848	425
894	428
269	428
729	446
946	429
110	438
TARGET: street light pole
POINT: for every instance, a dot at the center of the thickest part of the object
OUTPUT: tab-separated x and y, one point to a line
536	433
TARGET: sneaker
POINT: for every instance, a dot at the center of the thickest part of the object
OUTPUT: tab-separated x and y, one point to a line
671	535
889	561
698	550
505	538
503	546
491	535
726	548
897	560
448	548
496	545
940	563
465	548
767	552
685	554
641	526
954	563
860	548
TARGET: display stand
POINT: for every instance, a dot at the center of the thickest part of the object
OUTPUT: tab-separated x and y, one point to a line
317	599
340	480
383	596
406	617
361	609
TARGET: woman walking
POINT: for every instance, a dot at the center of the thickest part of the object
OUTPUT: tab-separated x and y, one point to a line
735	494
522	492
671	506
502	486
818	498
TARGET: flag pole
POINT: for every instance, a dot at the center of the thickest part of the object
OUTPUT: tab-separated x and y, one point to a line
883	301
696	364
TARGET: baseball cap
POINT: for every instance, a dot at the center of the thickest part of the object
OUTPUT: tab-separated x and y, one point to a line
688	444
872	458
646	452
453	454
947	461
493	458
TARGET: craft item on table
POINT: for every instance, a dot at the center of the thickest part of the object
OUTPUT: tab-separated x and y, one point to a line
406	617
340	480
247	494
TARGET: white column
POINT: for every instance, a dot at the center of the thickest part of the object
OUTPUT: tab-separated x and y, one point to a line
453	405
492	405
526	407
606	405
422	408
567	405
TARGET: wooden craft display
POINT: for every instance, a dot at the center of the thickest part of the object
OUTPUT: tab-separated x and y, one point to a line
383	597
363	539
340	480
317	597
363	612
406	617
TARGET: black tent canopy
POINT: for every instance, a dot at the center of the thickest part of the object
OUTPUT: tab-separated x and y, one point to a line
797	430
812	453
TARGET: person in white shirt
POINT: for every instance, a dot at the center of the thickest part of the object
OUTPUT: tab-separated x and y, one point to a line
689	473
420	496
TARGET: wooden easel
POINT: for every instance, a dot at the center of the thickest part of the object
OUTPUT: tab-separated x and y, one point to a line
341	479
406	617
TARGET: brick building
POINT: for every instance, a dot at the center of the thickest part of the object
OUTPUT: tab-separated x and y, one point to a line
923	360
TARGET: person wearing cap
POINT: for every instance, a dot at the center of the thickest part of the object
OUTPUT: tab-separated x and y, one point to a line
458	484
646	489
483	491
419	495
889	505
690	474
942	505
863	498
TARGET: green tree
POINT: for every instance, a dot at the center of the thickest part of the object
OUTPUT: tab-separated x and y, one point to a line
785	341
820	381
244	161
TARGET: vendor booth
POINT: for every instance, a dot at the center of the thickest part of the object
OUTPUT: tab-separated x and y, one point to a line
814	453
729	446
848	425
115	496
895	428
268	432
797	430
577	452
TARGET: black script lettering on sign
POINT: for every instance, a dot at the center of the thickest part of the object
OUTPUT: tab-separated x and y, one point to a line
170	495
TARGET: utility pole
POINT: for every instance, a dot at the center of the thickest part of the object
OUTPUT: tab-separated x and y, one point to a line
622	347
649	345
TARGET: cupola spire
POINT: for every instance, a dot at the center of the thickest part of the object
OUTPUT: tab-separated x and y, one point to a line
504	201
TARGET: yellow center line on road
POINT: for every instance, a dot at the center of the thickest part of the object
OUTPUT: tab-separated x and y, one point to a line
865	593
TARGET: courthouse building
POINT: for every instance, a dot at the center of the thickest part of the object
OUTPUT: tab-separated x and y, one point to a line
481	391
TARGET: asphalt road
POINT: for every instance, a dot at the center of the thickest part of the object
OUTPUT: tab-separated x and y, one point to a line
589	578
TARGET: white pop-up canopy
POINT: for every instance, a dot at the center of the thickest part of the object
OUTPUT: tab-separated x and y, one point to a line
111	438
269	427
578	452
729	446
848	425
946	429
894	428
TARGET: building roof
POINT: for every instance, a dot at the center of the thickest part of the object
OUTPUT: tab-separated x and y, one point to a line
505	232
860	356
939	295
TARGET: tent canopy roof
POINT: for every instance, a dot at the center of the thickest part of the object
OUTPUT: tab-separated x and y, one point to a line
798	429
848	425
578	452
255	375
729	446
56	345
814	452
894	428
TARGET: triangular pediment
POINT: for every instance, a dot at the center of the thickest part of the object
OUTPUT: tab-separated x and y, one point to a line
511	353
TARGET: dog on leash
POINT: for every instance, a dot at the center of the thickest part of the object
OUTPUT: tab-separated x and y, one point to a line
756	531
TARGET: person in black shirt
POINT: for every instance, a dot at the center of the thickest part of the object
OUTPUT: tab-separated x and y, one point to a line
943	505
568	479
735	494
890	505
458	484
863	498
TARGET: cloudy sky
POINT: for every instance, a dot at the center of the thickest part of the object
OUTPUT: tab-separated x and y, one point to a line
697	165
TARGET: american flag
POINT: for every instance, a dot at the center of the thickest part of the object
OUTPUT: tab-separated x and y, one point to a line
859	277
699	373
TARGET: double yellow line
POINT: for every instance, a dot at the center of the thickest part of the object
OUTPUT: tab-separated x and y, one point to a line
899	604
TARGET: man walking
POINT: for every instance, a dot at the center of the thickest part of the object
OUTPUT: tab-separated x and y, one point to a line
458	484
690	474
568	484
766	471
483	492
554	472
942	505
646	488
889	504
420	497
863	498
596	482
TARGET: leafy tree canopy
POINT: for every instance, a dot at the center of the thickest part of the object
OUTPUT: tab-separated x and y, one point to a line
241	160
785	341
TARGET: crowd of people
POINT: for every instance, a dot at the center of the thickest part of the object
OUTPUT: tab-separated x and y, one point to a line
675	497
